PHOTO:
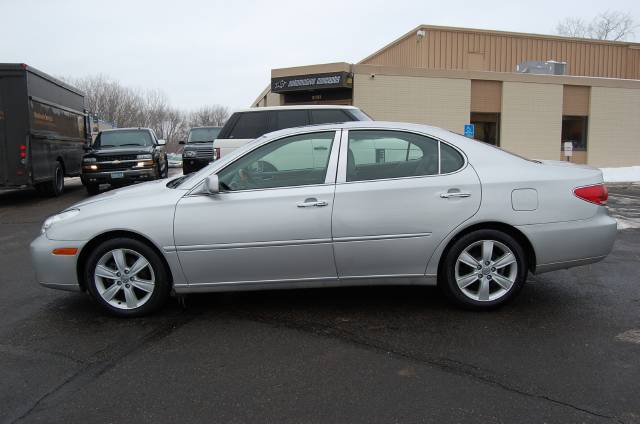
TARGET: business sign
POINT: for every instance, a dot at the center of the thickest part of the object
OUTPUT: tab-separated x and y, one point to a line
311	82
567	147
470	130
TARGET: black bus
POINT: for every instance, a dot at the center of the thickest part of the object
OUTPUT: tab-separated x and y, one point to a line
43	129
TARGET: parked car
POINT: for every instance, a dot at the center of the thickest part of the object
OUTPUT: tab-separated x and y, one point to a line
43	129
334	205
174	160
198	151
124	156
248	124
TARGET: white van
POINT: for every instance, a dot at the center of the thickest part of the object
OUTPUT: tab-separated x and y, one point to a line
248	124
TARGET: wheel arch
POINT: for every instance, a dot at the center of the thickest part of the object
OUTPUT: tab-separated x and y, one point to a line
498	226
86	250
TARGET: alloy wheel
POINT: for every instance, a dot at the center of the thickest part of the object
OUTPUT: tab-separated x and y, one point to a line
124	278
486	270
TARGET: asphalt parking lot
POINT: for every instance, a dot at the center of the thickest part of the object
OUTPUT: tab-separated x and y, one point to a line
567	350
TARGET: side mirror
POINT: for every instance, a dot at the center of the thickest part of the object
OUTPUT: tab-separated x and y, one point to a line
162	142
181	142
212	184
87	148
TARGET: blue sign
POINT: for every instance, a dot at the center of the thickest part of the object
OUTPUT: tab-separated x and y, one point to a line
469	130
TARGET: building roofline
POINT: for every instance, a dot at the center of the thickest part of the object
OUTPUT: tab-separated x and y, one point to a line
501	33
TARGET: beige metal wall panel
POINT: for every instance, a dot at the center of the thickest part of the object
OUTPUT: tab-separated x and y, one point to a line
273	99
486	96
441	102
614	127
481	50
575	100
531	120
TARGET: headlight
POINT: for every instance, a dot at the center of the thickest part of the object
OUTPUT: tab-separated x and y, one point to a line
57	218
189	153
89	160
144	156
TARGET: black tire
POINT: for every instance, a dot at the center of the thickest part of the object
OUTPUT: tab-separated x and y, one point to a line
92	188
54	187
165	173
447	278
162	284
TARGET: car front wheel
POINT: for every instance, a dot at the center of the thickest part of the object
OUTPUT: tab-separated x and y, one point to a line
484	269
126	277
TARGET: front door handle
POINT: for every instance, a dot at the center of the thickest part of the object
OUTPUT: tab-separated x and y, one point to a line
312	202
454	194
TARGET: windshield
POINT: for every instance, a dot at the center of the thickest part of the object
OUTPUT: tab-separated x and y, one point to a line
201	135
110	139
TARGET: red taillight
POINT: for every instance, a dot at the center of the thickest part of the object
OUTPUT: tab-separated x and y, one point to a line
596	193
216	153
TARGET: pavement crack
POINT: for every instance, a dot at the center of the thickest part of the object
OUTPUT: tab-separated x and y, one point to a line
96	366
443	364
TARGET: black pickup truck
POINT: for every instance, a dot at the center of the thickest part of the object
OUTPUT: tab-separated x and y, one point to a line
124	156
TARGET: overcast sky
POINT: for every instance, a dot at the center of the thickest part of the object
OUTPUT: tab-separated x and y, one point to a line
204	52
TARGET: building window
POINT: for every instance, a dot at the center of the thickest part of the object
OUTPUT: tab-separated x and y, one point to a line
574	129
487	127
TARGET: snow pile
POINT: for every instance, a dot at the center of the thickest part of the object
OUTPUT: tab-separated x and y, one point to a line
621	175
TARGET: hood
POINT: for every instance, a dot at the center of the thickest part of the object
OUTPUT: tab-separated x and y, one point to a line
199	146
127	150
137	191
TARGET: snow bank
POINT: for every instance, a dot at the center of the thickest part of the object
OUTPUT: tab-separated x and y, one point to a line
621	175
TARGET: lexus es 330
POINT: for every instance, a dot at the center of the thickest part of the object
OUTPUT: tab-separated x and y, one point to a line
358	203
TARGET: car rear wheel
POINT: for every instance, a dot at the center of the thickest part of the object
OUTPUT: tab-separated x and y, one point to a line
126	277
484	269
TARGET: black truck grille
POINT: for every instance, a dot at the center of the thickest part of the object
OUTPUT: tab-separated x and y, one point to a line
119	157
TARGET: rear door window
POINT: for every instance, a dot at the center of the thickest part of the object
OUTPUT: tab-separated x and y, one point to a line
290	119
329	116
250	125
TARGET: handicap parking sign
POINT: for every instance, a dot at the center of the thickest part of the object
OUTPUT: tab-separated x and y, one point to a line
469	130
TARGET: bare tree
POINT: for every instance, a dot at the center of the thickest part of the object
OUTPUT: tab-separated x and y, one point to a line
214	115
609	25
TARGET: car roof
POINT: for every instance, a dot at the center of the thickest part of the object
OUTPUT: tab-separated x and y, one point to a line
127	129
298	107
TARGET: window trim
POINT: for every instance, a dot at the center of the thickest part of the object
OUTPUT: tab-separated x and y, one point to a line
344	147
330	175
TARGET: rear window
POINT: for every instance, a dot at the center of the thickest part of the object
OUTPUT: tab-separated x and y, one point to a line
329	116
290	119
450	159
249	125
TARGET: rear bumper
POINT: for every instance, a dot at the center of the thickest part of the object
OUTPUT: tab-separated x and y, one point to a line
130	175
55	271
562	245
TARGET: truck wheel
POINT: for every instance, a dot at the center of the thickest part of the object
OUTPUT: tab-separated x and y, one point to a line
92	189
55	187
165	173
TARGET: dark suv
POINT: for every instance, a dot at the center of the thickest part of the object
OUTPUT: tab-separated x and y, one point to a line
124	156
198	151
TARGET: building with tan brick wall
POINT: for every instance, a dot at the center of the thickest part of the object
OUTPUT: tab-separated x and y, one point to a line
588	94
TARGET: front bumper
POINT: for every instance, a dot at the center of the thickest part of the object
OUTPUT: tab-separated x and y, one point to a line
128	176
190	165
562	245
55	271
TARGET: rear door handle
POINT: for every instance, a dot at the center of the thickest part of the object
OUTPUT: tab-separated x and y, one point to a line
454	194
312	202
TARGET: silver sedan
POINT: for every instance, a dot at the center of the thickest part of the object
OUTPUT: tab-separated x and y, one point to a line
359	203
